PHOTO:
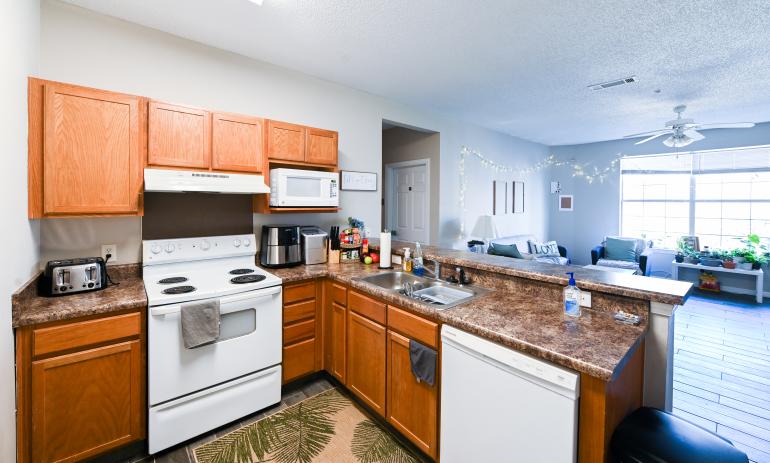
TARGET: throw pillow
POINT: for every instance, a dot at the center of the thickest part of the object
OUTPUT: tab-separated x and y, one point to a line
507	250
620	249
547	249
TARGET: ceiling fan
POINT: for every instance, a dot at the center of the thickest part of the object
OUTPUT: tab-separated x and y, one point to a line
683	131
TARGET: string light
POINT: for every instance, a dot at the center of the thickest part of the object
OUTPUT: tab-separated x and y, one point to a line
590	175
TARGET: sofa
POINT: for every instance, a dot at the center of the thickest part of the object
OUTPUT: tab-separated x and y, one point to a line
639	262
522	244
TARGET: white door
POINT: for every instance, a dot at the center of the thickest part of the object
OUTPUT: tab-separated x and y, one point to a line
410	208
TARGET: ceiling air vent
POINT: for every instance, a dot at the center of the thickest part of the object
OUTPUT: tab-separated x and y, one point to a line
613	83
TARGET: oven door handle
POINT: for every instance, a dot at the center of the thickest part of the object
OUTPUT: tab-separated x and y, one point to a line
174	308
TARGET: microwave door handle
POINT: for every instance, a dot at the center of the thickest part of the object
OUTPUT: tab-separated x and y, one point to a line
174	308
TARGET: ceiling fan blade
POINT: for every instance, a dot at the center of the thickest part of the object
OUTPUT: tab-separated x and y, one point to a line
651	138
646	134
694	134
727	125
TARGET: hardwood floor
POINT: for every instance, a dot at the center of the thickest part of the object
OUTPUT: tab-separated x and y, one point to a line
722	369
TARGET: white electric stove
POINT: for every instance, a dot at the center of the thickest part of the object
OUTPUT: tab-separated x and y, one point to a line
192	391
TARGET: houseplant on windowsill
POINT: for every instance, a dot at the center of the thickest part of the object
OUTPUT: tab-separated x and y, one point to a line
688	253
756	261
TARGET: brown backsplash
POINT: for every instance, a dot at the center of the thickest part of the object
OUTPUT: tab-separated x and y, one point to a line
189	215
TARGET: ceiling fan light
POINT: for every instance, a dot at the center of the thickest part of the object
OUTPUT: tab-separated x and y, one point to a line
675	141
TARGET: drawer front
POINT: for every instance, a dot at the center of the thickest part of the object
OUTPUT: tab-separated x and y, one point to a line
366	306
298	331
339	294
298	311
413	326
298	292
298	359
85	333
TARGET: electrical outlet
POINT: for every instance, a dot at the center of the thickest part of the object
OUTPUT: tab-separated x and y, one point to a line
585	299
110	249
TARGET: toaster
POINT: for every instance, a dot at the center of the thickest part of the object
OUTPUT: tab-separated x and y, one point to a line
70	276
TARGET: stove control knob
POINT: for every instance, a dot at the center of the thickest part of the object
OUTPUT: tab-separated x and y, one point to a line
170	248
237	243
247	242
156	249
205	245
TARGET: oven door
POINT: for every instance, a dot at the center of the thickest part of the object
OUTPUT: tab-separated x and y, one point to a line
250	340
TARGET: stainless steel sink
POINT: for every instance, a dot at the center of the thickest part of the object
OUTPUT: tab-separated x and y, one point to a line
426	290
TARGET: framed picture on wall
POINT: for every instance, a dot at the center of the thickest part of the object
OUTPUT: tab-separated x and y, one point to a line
566	203
517	197
499	197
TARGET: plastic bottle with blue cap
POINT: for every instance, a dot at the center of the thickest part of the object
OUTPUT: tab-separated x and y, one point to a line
572	297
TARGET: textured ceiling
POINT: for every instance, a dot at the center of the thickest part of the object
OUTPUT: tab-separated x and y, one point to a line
518	66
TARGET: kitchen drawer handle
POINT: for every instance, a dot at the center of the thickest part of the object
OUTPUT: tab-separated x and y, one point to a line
174	308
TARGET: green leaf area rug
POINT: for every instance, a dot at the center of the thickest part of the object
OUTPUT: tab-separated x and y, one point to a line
325	428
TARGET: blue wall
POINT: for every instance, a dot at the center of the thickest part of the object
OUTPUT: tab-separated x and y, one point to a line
597	205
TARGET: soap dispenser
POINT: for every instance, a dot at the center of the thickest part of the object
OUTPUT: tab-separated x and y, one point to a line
572	297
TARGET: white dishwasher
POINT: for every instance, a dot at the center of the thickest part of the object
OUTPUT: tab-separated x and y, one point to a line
499	405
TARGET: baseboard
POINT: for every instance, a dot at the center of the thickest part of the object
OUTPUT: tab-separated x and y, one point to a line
737	290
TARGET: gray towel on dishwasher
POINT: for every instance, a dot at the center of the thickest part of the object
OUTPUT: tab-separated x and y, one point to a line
423	360
200	323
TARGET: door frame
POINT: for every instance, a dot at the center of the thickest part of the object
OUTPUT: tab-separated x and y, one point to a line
390	185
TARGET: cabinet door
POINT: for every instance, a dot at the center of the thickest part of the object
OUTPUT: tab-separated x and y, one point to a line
179	136
237	142
285	141
338	344
412	406
87	402
321	147
92	155
366	361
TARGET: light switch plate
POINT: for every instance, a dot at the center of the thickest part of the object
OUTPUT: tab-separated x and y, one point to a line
585	299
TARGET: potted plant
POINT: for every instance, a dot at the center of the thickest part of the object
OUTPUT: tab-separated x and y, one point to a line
727	260
756	261
679	257
688	253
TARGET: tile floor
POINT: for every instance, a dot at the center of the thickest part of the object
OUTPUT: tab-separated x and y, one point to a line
183	452
722	369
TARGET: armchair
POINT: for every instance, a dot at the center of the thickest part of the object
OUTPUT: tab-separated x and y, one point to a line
598	256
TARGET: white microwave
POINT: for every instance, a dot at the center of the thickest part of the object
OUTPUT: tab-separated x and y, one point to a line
303	188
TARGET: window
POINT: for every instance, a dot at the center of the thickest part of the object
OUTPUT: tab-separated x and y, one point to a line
720	196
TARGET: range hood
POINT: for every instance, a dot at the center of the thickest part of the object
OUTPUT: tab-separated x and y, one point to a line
181	181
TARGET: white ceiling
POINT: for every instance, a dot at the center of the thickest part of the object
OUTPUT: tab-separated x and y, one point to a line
518	66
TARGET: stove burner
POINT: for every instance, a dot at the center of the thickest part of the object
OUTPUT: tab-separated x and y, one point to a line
241	271
179	289
172	280
247	279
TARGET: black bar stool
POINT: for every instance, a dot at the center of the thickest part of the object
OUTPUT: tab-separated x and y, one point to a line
649	435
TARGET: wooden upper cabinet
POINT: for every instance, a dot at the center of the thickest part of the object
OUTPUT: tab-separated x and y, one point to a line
85	151
237	142
285	141
321	147
179	136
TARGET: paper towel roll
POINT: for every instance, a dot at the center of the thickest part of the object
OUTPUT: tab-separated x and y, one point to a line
385	249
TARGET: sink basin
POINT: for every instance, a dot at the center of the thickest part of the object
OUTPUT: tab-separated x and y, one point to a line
395	280
440	294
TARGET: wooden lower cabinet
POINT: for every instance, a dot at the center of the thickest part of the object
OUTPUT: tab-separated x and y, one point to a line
85	397
338	342
412	406
366	361
302	342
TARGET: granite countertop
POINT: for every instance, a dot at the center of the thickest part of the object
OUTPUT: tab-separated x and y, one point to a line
30	309
594	344
635	286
